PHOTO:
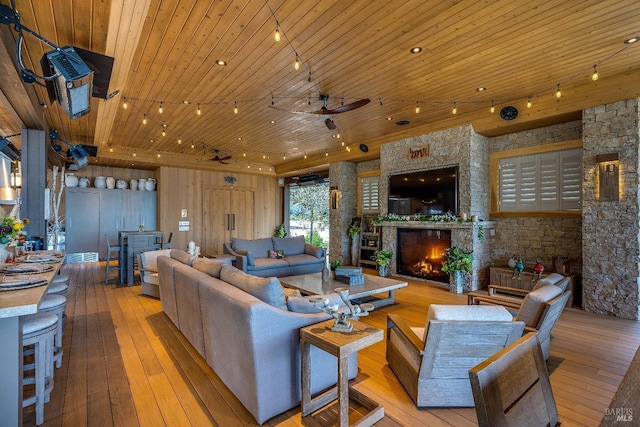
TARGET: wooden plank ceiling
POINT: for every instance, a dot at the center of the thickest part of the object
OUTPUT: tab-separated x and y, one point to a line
166	51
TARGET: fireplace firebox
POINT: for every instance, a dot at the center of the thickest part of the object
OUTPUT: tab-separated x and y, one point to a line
420	253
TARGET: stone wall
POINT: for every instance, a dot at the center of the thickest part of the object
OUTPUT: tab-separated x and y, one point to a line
533	237
610	271
342	175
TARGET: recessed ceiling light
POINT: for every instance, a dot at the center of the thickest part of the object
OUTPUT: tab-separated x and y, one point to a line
481	89
389	118
221	63
272	122
186	102
402	122
416	49
632	40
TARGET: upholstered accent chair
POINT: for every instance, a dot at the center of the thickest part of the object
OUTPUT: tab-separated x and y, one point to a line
512	387
432	363
148	267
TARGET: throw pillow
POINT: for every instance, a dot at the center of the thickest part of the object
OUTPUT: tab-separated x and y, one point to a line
267	289
275	254
257	247
312	250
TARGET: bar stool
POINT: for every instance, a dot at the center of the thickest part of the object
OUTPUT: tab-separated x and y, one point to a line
59	285
55	304
39	330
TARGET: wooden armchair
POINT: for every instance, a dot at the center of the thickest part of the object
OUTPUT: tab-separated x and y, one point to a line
512	388
432	363
513	297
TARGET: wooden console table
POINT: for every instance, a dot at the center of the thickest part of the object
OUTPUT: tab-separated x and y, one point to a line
341	345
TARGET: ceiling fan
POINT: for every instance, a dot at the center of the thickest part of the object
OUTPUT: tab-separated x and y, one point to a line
218	158
324	110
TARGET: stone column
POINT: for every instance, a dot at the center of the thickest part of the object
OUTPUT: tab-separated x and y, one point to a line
344	177
610	249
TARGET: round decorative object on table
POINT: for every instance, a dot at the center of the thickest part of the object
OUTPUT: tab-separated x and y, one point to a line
100	182
71	180
121	184
111	183
133	184
141	183
83	182
150	185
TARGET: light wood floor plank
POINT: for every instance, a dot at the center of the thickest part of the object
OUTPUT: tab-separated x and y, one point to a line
126	364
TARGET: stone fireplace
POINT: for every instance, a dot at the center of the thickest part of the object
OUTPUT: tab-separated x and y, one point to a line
420	253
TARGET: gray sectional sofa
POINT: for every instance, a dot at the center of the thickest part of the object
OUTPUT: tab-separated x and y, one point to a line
243	326
252	256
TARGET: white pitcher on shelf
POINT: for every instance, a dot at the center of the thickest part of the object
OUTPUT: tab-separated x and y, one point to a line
141	182
150	185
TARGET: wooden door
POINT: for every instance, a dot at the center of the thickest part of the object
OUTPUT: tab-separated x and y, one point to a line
226	214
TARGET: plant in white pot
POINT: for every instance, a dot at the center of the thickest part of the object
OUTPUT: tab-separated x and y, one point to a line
457	262
382	258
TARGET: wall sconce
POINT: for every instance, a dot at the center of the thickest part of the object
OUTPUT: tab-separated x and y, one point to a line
335	196
609	177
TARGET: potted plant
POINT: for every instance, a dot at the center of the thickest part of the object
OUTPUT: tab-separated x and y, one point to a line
354	233
382	258
280	231
457	262
333	265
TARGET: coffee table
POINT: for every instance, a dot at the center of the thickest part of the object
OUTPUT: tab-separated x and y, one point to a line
312	284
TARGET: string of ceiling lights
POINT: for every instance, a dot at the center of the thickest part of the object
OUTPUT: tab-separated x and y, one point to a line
279	34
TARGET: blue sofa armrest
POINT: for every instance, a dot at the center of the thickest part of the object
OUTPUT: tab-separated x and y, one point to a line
241	260
315	251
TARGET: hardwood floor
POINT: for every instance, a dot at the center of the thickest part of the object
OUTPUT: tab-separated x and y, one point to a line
125	364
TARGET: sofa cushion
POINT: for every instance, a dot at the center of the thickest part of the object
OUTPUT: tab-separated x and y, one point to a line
263	263
182	256
257	247
533	304
312	250
304	305
152	278
290	245
267	289
303	259
492	313
208	266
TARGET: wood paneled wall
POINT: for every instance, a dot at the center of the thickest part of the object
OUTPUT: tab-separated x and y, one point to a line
182	189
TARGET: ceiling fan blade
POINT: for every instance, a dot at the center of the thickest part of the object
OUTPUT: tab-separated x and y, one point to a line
345	108
225	158
330	124
290	111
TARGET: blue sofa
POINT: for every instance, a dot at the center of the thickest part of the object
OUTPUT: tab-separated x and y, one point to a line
252	256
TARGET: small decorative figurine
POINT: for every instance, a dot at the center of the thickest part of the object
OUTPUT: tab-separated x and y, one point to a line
341	323
518	267
538	269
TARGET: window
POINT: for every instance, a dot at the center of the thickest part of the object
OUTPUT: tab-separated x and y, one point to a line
370	200
548	181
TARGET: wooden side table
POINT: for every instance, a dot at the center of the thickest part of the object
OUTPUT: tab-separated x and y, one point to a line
340	345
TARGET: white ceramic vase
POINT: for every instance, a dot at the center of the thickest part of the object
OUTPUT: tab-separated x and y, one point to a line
4	253
111	183
141	183
121	184
71	180
150	185
133	184
100	182
83	182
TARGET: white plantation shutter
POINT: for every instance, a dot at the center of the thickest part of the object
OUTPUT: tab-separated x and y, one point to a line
541	182
571	180
370	200
508	185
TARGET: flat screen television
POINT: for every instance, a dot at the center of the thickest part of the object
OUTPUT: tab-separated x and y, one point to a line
428	192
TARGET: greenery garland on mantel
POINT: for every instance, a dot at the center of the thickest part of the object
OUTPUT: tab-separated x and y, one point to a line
450	219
